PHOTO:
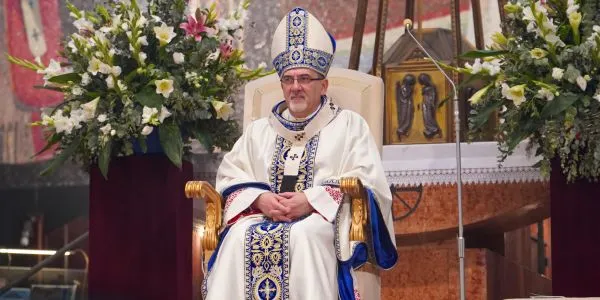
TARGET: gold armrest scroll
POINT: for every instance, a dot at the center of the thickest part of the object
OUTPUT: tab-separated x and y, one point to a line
214	211
353	187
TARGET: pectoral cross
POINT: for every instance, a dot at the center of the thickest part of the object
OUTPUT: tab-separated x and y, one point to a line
299	136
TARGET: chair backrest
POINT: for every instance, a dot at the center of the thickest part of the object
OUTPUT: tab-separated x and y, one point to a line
353	90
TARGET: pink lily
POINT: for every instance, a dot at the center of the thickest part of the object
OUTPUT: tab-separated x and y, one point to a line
195	27
226	50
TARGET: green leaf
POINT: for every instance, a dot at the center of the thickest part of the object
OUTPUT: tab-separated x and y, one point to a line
520	134
104	159
484	114
482	53
202	137
148	97
61	157
558	105
101	10
65	78
55	138
24	63
51	88
171	142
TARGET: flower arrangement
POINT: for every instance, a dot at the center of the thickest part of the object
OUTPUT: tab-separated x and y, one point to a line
543	82
126	74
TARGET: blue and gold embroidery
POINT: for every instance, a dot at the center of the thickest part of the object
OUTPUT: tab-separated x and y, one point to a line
291	125
305	172
298	54
267	261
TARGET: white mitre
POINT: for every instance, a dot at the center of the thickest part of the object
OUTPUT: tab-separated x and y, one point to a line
301	41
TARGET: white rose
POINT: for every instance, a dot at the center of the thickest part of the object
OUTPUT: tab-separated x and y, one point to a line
557	73
85	79
116	70
77	90
178	58
106	129
110	83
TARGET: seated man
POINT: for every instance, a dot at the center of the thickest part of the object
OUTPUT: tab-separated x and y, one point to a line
287	228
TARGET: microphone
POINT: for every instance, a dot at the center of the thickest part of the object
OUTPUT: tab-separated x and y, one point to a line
408	24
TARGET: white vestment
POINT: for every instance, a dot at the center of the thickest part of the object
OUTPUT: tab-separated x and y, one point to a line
311	258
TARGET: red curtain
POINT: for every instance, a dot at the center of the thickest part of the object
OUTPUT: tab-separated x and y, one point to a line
140	230
575	236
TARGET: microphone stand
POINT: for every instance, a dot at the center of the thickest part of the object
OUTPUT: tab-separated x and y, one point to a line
460	238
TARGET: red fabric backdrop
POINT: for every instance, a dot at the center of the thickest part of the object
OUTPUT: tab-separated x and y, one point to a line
575	236
140	230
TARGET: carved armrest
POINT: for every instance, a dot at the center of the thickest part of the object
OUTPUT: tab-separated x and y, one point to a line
358	195
214	211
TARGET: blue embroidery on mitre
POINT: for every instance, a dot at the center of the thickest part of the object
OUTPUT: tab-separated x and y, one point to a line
298	52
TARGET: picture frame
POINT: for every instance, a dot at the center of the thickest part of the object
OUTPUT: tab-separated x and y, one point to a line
418	108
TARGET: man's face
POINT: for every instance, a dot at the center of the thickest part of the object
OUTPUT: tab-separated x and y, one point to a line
302	89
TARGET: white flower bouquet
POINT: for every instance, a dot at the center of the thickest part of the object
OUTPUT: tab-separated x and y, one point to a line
127	75
543	82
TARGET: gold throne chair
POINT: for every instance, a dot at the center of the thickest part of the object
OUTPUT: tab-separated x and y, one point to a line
353	90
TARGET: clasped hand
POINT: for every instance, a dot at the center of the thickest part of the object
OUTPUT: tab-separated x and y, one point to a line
285	207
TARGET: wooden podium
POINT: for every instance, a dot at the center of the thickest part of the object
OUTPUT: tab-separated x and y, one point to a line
140	230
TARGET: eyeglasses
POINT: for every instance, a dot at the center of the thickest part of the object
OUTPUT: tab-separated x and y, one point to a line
302	80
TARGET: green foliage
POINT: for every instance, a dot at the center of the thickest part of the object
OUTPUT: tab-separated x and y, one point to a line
545	84
128	72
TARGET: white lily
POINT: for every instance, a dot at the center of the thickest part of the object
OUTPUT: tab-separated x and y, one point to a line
94	66
53	69
224	110
84	25
515	93
89	108
545	93
106	129
164	113
479	94
164	87
148	113
164	34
